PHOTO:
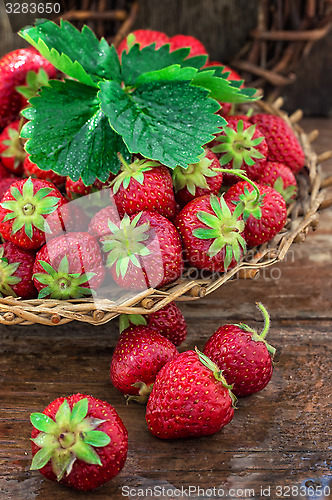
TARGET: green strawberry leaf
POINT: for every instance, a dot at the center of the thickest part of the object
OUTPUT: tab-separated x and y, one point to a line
62	46
221	89
70	135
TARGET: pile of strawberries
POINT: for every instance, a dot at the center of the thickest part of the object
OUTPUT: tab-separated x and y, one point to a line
150	224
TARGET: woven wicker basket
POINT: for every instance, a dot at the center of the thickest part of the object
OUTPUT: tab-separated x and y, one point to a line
303	214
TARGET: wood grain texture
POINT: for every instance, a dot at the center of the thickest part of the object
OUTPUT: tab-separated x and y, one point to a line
278	437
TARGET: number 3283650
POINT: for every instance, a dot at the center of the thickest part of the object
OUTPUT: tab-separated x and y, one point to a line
32	8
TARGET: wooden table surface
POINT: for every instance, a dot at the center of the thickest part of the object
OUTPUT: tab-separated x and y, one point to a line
278	444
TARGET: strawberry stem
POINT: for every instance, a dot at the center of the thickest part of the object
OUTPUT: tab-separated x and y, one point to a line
266	319
240	173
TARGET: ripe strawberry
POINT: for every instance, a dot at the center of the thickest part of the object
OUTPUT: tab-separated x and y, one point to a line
138	356
5	184
280	177
284	146
24	210
143	38
14	68
79	441
211	233
77	218
144	251
4	173
76	189
243	355
16	267
190	397
68	267
264	214
196	47
144	185
30	169
240	146
168	321
198	179
12	153
98	225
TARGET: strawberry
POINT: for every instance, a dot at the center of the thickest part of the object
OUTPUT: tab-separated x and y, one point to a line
98	225
243	355
196	47
4	173
283	145
143	38
76	189
5	184
30	169
240	145
280	177
144	185
138	356
77	218
79	441
12	153
14	68
264	211
168	321
68	267
190	397
198	179
144	251
16	268
211	232
24	210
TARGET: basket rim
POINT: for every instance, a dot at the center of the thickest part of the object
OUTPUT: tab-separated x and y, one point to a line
302	215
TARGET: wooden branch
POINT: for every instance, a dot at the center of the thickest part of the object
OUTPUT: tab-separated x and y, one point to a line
292	36
270	76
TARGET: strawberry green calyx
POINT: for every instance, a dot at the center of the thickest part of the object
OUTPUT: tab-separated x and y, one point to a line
125	320
224	228
144	392
7	278
33	83
125	244
27	209
14	147
238	146
134	170
194	176
286	192
70	436
217	373
60	284
260	337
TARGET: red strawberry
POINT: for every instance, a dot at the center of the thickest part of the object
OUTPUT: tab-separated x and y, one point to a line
265	212
243	356
190	397
30	169
14	68
240	146
4	173
5	184
144	251
16	267
68	267
144	185
12	153
284	146
196	47
211	233
139	355
24	210
143	38
280	177
76	189
79	441
198	179
168	321
98	225
77	218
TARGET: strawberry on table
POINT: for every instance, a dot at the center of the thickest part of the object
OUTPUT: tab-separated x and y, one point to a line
280	177
144	250
190	397
144	38
283	145
79	441
211	230
69	267
243	355
198	179
264	210
144	185
12	153
30	169
14	68
16	269
29	210
138	356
